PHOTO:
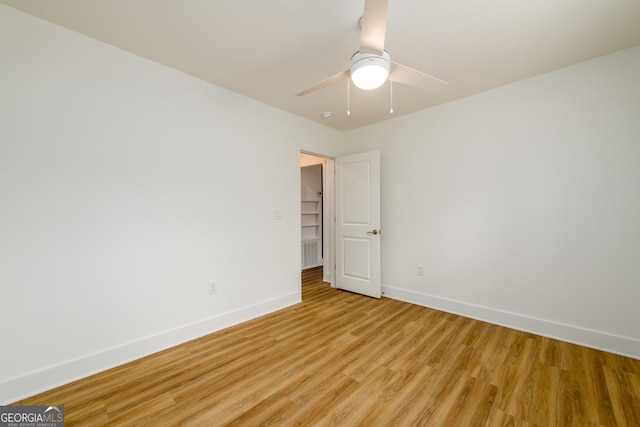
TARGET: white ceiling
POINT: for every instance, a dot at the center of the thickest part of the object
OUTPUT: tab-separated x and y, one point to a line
271	50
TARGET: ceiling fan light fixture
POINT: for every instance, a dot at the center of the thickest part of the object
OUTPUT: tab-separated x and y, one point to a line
369	70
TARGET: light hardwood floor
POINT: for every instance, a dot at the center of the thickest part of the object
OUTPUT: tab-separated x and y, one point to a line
340	358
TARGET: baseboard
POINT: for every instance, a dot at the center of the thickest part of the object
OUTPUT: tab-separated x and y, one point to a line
15	389
589	338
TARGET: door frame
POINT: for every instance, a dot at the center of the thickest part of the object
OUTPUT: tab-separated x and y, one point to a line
328	217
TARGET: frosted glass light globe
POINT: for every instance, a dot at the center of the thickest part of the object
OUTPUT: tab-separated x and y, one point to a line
369	70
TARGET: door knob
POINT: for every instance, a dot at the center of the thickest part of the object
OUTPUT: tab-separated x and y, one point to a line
373	232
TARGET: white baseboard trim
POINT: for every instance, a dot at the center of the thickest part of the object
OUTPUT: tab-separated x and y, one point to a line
589	338
17	388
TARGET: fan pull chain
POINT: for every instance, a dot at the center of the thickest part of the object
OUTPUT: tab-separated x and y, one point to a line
391	108
348	100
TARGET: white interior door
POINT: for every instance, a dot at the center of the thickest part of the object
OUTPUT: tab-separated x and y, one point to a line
358	223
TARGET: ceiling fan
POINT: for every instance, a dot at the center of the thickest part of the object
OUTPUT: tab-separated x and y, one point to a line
371	66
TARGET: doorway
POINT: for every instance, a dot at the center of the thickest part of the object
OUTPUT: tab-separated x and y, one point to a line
349	205
316	211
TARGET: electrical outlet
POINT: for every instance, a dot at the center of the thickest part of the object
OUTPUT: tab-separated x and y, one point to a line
420	270
213	288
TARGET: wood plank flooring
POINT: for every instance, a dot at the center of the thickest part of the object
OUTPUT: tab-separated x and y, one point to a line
340	358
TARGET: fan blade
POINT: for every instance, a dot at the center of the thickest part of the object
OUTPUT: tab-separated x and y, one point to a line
343	75
411	77
374	26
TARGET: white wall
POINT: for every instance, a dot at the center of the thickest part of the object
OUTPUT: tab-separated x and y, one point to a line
311	182
126	188
522	203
